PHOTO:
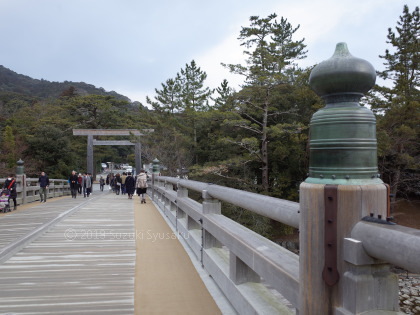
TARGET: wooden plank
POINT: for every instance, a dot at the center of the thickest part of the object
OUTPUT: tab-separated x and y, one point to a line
349	209
314	293
84	264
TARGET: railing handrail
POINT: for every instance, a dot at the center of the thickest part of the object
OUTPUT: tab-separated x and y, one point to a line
375	242
27	188
280	210
395	244
231	251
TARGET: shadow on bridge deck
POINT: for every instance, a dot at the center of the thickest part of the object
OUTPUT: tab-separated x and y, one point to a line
104	254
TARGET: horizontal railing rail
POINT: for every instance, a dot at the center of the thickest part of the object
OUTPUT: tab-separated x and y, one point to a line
247	266
395	244
279	210
27	189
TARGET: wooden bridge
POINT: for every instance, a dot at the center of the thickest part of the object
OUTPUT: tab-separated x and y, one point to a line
104	254
108	254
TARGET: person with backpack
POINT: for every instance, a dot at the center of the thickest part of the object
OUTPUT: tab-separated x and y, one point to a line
10	184
141	185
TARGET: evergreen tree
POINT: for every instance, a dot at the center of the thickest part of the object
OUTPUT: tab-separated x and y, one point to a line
194	97
8	147
269	75
223	100
96	111
168	99
398	106
50	148
193	93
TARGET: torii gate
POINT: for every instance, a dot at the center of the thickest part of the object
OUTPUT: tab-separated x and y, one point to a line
109	132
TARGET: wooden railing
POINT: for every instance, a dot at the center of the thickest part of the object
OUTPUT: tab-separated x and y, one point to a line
28	189
247	267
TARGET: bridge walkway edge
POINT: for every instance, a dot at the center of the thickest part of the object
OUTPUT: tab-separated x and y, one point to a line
161	244
49	267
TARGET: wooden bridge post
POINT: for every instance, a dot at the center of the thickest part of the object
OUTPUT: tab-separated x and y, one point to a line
21	181
155	173
89	150
210	205
336	276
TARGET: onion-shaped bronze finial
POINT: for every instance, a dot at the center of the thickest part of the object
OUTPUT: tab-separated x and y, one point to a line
155	168
343	147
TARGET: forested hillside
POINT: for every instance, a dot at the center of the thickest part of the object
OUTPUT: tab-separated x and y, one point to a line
254	139
11	81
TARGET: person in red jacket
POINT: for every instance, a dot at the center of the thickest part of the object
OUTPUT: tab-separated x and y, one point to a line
10	184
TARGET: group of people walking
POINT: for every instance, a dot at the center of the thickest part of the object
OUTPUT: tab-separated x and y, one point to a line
80	184
127	184
9	188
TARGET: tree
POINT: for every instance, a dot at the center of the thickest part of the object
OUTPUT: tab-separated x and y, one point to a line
398	107
194	97
168	99
8	147
50	148
69	92
193	93
97	111
269	75
224	100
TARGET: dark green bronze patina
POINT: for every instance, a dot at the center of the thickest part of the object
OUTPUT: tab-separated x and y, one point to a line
343	147
155	166
20	169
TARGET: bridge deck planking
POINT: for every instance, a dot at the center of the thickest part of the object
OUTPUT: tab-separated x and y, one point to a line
91	271
12	227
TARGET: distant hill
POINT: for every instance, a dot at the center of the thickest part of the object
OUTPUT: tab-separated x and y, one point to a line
11	81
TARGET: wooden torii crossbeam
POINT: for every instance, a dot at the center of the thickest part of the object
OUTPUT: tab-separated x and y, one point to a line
106	132
110	132
112	142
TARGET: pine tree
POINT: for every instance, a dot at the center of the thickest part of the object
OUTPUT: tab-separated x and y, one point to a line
194	95
398	106
269	73
402	63
168	99
9	147
224	100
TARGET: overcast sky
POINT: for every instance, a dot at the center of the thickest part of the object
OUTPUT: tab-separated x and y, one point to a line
132	46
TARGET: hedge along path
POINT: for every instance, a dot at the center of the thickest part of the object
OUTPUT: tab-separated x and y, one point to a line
166	281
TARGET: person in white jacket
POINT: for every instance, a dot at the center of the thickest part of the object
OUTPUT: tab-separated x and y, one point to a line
141	185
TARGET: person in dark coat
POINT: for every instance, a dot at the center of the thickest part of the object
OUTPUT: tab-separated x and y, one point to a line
10	184
74	183
44	182
130	185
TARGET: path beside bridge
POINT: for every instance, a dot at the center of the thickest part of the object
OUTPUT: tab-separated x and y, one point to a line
78	256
